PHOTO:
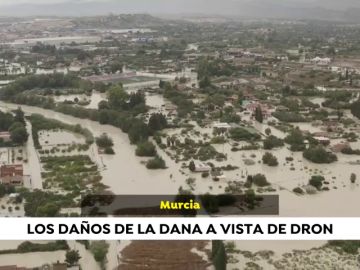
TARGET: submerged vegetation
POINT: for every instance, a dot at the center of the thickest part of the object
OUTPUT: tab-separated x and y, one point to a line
40	123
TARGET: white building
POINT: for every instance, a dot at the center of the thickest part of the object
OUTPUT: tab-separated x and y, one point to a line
321	61
201	167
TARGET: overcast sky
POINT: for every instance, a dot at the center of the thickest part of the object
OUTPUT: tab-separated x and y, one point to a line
221	7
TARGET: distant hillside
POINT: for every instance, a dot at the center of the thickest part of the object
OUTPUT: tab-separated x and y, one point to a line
118	21
344	10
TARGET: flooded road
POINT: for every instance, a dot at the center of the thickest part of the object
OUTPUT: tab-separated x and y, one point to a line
32	166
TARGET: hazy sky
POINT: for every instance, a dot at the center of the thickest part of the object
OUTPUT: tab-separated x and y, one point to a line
323	3
232	7
16	2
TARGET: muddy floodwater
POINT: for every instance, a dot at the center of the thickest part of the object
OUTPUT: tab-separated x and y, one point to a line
55	137
124	173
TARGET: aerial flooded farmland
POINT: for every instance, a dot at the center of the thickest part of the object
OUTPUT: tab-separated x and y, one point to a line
241	117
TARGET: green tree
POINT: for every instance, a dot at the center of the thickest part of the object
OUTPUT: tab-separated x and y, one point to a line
145	149
18	133
99	249
49	209
72	257
260	180
161	84
296	140
242	134
116	67
6	120
156	163
316	181
192	166
104	141
272	142
318	154
19	116
270	159
218	255
117	97
259	114
157	122
138	131
104	117
103	105
205	82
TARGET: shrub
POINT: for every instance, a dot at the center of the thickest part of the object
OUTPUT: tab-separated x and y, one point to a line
99	249
353	178
192	166
104	141
145	149
272	142
156	163
204	174
109	151
242	134
270	159
260	180
316	181
296	140
207	152
318	154
298	190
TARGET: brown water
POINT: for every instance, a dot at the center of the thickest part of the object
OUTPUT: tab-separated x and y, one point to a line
125	174
59	137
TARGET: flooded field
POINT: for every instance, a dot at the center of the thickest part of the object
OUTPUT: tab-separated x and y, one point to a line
52	137
284	178
36	259
289	255
124	173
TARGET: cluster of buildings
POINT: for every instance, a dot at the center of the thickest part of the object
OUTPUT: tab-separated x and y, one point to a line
12	175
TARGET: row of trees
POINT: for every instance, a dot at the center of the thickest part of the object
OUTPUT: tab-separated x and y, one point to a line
50	84
39	122
120	110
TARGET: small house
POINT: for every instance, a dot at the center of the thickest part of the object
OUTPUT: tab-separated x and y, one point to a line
201	167
12	175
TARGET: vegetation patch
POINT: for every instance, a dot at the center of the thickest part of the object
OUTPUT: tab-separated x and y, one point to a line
73	174
318	154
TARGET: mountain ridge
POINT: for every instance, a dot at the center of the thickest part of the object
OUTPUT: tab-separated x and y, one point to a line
265	9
